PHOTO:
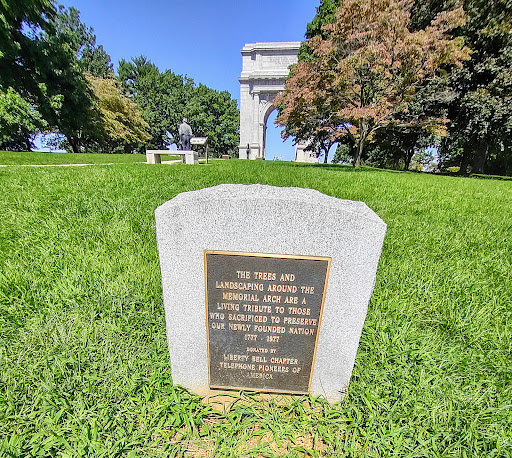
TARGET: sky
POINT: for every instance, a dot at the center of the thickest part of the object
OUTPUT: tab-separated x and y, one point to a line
200	39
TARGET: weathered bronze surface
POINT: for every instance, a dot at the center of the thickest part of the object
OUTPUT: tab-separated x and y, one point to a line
263	317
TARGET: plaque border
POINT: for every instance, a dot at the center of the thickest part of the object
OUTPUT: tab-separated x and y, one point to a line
264	255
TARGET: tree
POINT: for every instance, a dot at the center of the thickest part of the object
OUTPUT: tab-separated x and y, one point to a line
421	125
123	129
65	99
308	119
397	144
165	98
215	115
479	133
367	70
19	122
44	54
92	58
20	21
319	141
325	14
482	110
160	97
131	73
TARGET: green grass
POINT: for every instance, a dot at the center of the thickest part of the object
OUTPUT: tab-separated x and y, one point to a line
84	368
35	158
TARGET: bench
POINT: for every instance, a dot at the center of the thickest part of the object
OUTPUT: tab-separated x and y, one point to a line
153	156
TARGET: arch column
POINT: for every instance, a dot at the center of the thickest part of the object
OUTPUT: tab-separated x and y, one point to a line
256	145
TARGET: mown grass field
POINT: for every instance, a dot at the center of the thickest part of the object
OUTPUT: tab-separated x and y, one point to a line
84	366
35	158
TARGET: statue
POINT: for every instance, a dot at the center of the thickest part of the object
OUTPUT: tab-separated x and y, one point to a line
185	132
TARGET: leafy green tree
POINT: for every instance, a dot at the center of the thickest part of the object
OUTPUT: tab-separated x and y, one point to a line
325	14
482	111
342	154
92	58
165	98
215	115
479	134
131	73
423	124
123	129
65	99
44	54
319	140
161	98
20	22
19	122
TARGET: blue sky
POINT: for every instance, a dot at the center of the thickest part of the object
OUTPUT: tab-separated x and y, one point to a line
201	39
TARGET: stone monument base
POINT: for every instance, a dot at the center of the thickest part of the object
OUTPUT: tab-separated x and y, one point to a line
256	323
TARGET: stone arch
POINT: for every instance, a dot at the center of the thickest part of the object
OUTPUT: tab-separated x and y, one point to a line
264	69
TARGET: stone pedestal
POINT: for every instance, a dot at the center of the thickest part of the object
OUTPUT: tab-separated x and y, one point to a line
301	155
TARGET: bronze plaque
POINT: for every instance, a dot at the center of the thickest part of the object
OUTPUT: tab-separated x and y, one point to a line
263	318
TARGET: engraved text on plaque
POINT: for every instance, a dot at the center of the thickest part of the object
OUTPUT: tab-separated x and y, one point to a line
263	316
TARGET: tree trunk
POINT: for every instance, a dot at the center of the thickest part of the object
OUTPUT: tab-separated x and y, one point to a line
360	146
480	157
74	143
359	152
465	161
357	162
408	157
351	152
326	155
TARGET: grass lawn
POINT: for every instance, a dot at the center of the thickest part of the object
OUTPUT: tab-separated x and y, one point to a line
84	365
35	158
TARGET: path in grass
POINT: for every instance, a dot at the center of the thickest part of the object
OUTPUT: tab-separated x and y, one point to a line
84	364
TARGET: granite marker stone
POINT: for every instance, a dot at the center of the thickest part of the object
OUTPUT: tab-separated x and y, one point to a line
262	219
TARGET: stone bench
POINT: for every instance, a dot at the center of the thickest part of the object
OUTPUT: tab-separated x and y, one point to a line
154	156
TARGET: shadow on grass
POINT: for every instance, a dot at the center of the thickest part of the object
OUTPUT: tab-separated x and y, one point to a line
366	168
333	167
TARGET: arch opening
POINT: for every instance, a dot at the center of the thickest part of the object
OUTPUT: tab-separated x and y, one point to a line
274	146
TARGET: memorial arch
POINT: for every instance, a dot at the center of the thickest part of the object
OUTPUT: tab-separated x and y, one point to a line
264	69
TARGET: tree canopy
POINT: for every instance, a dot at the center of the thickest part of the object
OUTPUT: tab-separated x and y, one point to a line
481	110
122	128
20	22
463	109
91	57
165	98
365	71
19	121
